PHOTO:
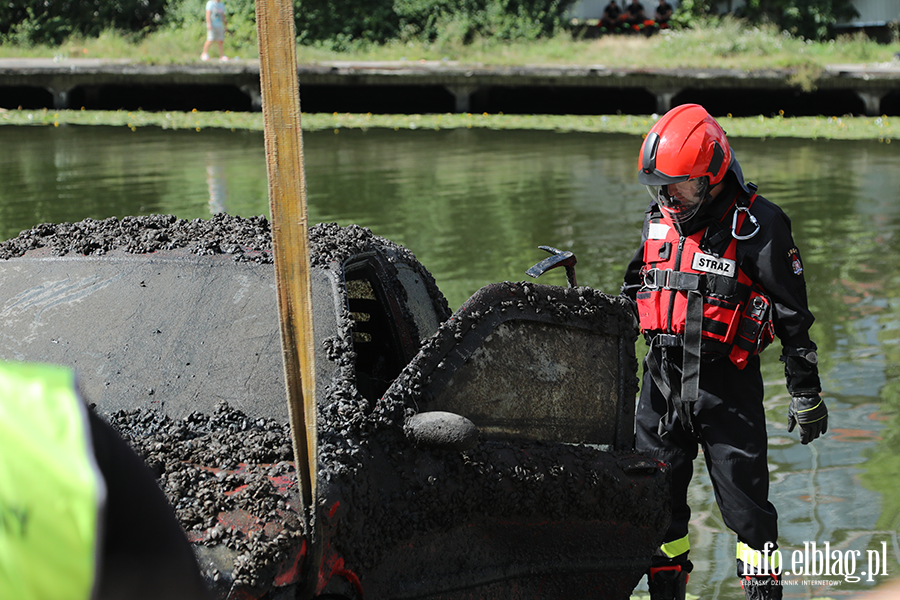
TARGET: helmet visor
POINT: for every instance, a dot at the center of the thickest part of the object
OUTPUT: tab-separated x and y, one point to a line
681	200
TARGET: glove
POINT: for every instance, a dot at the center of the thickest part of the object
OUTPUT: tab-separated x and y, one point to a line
811	414
807	409
801	371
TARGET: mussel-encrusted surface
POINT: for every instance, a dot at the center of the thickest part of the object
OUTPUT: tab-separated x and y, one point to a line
246	239
388	491
376	488
219	463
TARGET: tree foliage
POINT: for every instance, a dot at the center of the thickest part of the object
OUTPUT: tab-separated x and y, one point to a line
52	21
809	19
345	23
341	25
467	19
349	23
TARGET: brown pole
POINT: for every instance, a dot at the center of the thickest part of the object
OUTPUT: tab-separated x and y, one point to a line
290	239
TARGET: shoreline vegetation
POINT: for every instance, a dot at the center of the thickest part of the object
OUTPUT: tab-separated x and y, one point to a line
722	42
882	129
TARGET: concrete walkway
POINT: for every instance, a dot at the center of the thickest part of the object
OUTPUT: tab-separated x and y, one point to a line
870	82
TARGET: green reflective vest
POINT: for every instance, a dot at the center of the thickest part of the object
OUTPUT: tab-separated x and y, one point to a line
51	491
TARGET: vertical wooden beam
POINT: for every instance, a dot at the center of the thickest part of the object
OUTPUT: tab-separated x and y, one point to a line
290	238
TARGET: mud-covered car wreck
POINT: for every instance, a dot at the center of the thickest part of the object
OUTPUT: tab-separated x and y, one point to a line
484	453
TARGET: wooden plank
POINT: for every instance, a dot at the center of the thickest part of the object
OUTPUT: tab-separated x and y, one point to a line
290	238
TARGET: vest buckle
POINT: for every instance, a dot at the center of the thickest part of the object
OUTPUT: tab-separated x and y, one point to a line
655	279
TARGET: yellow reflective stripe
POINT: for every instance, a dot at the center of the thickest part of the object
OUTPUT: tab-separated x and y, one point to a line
814	408
676	547
49	486
757	559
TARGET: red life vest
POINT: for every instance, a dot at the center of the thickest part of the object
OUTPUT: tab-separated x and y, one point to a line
736	314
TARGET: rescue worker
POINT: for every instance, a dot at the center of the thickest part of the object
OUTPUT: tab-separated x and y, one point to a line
81	515
716	277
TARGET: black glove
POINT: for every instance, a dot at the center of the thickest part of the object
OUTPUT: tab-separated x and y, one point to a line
801	371
811	414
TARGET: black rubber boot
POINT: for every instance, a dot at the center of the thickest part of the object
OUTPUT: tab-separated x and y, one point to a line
667	582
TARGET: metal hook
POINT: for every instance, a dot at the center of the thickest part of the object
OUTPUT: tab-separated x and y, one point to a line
734	224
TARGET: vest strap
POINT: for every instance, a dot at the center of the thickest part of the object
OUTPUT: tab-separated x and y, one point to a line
690	366
667	279
679	401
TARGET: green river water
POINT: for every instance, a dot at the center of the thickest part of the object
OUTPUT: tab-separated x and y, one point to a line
473	205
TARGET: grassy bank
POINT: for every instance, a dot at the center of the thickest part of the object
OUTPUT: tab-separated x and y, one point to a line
719	43
883	129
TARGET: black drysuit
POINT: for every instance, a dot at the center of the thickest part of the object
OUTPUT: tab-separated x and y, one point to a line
728	419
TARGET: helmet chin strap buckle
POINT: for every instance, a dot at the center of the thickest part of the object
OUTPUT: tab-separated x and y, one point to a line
734	224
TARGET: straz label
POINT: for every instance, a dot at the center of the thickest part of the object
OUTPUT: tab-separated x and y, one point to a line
706	263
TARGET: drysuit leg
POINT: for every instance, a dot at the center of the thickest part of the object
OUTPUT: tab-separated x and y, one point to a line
676	447
732	423
730	420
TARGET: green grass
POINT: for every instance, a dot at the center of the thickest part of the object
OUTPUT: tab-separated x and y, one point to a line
883	129
720	43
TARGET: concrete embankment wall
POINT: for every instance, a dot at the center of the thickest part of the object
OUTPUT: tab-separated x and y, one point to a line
404	87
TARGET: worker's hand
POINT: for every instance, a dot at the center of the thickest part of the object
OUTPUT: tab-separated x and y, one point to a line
811	414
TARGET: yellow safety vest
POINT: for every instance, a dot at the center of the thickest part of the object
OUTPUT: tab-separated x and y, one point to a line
51	491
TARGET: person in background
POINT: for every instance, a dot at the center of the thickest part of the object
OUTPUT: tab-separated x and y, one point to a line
634	15
716	277
663	14
82	515
612	16
215	29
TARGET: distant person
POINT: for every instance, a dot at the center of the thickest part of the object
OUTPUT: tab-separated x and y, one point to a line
612	16
634	15
82	515
215	29
663	14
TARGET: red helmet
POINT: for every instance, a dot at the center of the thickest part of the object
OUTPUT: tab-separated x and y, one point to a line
685	143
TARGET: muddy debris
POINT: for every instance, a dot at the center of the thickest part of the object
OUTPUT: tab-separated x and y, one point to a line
223	463
247	239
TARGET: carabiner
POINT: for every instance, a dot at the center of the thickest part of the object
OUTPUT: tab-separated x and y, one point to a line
734	224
